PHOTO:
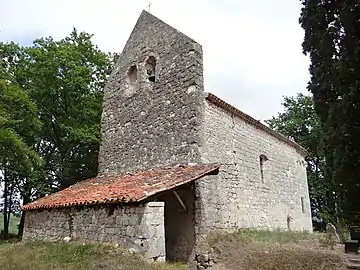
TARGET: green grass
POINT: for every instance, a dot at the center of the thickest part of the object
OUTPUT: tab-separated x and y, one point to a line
73	256
12	225
271	237
240	250
277	236
264	250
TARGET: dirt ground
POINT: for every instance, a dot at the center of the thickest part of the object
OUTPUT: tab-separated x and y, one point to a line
274	251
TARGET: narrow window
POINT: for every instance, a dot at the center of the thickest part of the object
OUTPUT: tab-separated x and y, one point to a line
262	159
150	68
302	205
288	221
132	75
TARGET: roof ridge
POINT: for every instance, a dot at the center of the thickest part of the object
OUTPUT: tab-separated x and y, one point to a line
250	120
146	13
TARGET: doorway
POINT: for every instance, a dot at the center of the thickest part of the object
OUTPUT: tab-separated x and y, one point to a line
179	222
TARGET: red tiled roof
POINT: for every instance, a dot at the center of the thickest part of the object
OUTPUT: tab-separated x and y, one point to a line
123	188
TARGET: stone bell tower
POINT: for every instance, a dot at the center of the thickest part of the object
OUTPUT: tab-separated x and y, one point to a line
153	100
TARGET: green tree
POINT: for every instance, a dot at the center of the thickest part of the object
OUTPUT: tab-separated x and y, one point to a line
65	79
18	124
332	40
300	122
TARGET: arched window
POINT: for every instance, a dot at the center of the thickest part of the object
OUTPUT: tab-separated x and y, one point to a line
132	76
131	81
150	67
262	160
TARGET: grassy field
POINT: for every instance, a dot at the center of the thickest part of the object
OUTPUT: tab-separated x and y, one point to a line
72	256
241	250
276	250
13	224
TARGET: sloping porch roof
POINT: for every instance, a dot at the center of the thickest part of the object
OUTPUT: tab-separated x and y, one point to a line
124	187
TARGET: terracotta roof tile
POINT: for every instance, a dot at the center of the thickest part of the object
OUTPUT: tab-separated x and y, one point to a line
123	188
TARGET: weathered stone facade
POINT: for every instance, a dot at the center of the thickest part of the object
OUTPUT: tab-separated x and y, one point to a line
240	196
155	114
146	123
140	227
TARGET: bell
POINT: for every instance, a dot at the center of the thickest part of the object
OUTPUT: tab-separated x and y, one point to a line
151	75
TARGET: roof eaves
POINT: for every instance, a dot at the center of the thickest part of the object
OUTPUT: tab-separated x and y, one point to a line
216	167
247	118
122	199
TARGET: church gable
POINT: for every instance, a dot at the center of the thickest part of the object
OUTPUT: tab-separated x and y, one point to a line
156	115
152	102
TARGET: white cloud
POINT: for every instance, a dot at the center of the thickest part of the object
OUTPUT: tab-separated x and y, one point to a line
252	49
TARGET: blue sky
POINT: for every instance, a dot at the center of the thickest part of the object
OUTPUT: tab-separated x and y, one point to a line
252	49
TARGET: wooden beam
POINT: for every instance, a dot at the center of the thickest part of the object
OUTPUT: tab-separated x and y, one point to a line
180	200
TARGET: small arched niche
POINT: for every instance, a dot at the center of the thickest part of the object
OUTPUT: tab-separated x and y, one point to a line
150	67
132	76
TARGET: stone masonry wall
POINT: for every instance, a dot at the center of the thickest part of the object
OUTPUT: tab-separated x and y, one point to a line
138	227
145	123
238	197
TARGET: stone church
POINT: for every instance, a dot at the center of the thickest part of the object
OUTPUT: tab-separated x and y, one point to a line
175	162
